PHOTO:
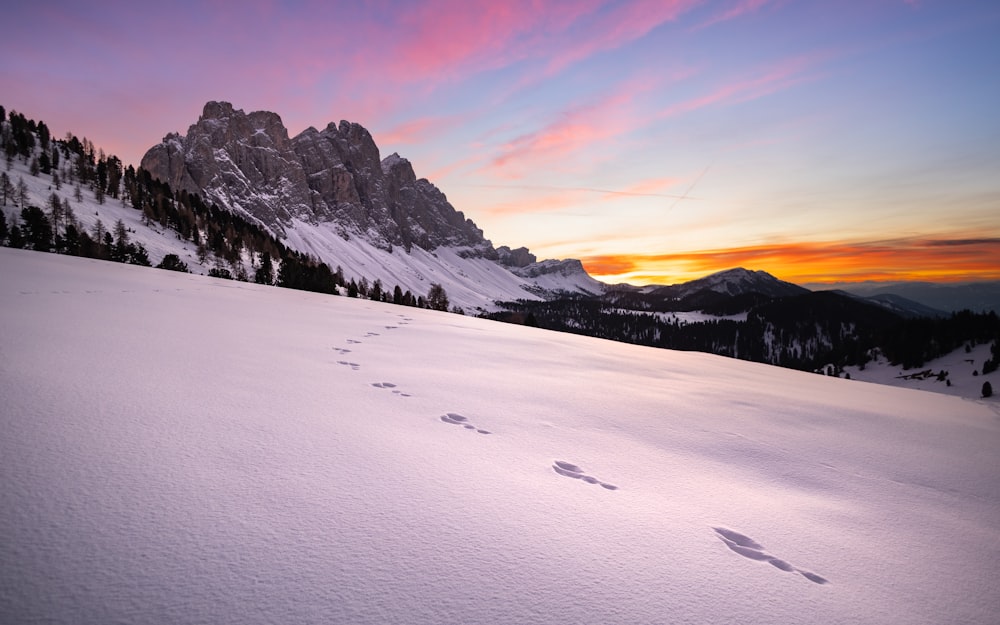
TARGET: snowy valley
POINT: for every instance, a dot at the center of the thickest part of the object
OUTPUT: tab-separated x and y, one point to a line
185	449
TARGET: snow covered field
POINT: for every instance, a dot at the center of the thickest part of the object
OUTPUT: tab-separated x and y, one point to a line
180	449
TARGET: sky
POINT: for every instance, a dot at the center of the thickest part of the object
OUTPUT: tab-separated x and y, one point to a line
656	141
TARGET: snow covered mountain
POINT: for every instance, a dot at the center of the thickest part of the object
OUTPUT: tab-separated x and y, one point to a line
732	282
330	194
732	291
174	451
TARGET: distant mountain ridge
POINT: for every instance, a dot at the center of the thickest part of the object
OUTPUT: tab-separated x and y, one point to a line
974	296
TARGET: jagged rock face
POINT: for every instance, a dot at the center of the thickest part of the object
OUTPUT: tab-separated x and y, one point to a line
243	162
520	257
568	267
247	163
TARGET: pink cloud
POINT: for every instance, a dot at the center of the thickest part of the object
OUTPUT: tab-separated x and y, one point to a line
442	38
740	8
573	131
776	79
622	25
411	131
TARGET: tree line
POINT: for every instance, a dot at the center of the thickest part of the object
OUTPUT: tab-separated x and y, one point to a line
809	333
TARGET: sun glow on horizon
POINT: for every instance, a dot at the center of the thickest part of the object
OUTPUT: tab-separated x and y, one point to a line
932	260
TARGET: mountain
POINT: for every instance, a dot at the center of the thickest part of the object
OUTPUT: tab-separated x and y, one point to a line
174	450
974	296
329	194
733	282
725	293
902	306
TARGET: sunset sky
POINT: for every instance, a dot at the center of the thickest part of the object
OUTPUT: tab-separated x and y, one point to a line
657	141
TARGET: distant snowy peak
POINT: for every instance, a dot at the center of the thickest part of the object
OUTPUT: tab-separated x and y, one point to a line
740	281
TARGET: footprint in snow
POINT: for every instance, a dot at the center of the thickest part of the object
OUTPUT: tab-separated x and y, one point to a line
456	419
341	350
568	469
390	385
749	548
353	342
353	365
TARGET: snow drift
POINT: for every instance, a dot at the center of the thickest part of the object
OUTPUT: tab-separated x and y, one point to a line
189	450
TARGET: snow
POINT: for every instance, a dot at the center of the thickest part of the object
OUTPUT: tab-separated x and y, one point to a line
181	449
474	284
964	371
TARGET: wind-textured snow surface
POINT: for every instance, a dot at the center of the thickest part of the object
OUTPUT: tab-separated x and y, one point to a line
180	449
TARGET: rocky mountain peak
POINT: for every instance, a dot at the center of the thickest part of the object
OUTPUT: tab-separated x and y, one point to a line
248	164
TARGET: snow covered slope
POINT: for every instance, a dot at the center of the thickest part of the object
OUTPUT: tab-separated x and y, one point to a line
963	373
180	449
88	211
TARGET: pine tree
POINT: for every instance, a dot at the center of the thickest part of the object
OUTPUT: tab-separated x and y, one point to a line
37	229
172	262
437	299
98	232
68	215
14	237
119	249
55	211
21	192
265	273
137	255
6	188
987	389
71	239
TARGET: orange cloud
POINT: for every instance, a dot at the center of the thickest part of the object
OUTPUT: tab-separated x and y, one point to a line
939	260
564	198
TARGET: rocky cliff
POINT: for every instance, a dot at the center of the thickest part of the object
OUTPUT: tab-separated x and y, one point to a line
248	163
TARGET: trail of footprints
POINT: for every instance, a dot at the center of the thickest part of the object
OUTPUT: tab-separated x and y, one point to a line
735	541
749	548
